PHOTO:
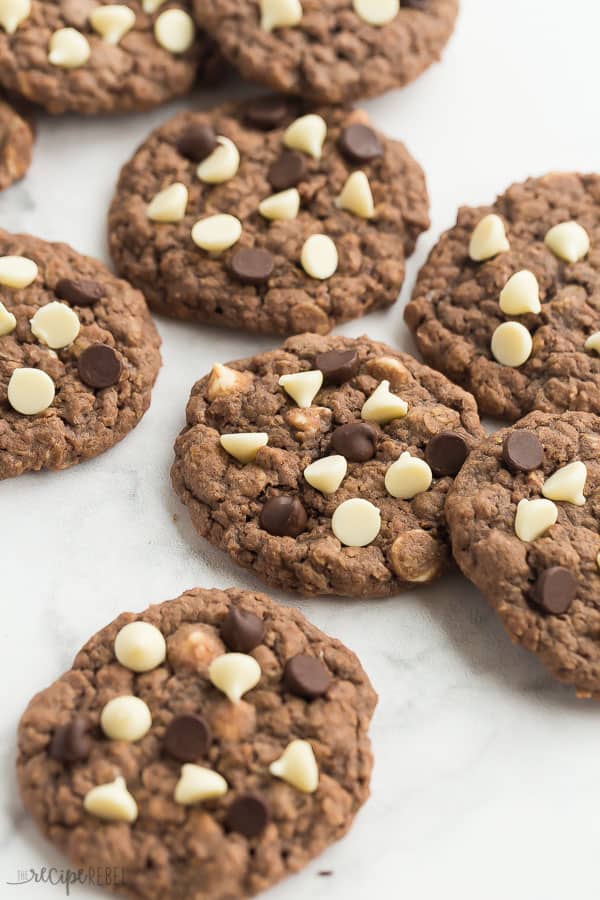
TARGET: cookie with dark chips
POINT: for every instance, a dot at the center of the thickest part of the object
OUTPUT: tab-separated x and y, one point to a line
308	465
524	515
16	145
140	761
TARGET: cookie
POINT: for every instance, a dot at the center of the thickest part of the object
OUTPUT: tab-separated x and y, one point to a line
79	354
524	517
331	51
91	58
208	746
268	216
508	305
324	466
16	145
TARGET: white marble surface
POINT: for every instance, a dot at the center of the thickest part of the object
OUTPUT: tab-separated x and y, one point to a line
486	771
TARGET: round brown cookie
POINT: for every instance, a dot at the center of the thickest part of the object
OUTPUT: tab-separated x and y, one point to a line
524	516
79	354
16	145
467	291
266	270
202	795
72	57
330	50
366	522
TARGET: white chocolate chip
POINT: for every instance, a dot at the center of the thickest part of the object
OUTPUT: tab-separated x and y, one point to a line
307	134
55	325
407	477
112	22
217	233
244	446
111	801
140	646
297	765
356	522
12	13
175	31
302	387
326	474
284	205
356	196
567	484
319	257
377	12
383	406
221	165
521	294
150	6
592	343
68	49
30	391
196	783
488	239
511	344
279	14
223	381
125	719
234	674
8	322
169	205
17	271
598	560
534	518
569	241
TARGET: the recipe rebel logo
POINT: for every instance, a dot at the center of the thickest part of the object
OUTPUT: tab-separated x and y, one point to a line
101	876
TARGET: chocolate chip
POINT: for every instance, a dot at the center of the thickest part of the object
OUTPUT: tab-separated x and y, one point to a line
415	4
359	143
71	742
522	451
355	441
267	112
197	142
99	366
283	516
241	631
306	676
337	366
79	293
287	171
446	453
187	737
555	590
252	265
248	815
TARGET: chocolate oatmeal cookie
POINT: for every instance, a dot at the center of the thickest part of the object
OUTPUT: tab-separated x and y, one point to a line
324	466
524	516
268	217
206	747
90	58
508	304
330	51
16	145
79	354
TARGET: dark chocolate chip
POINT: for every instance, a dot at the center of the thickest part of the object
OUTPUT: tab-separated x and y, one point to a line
252	265
99	366
283	516
267	112
306	676
197	142
415	4
359	143
247	815
356	441
337	366
446	453
522	451
241	631
79	293
287	171
71	742
555	590
187	737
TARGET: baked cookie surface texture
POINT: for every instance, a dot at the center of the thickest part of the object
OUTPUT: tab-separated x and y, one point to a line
16	145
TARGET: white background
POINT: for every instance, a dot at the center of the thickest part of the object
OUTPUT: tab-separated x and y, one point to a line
487	776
